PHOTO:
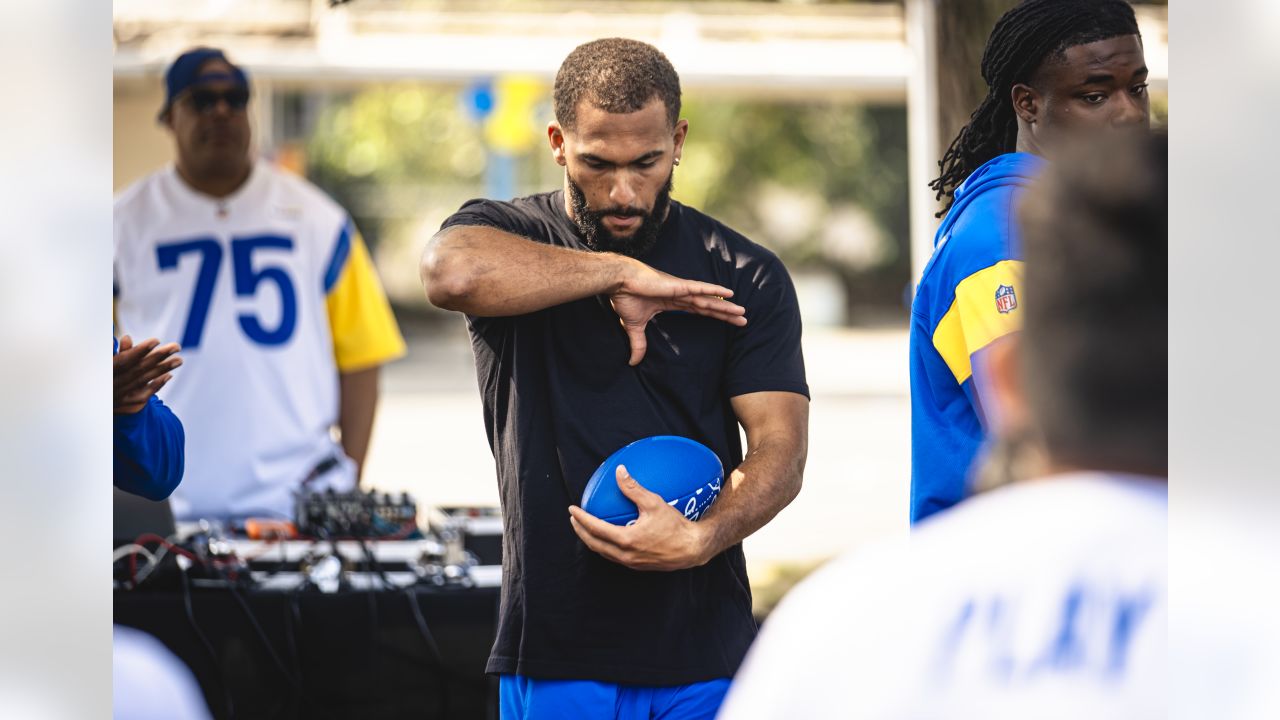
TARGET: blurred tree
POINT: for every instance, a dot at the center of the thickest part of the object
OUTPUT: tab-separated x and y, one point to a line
962	31
380	150
822	184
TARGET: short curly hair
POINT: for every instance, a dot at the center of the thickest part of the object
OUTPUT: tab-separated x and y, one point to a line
616	75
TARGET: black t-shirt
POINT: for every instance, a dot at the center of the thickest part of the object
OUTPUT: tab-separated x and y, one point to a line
559	398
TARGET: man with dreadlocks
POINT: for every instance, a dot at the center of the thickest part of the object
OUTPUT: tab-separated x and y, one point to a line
1055	69
588	336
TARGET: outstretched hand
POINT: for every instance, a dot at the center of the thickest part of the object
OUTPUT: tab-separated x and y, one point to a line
660	539
647	292
139	371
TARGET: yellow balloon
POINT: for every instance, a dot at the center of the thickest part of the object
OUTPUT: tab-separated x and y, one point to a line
513	127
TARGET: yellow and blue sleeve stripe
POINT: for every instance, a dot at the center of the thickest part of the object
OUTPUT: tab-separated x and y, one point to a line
967	299
364	329
976	318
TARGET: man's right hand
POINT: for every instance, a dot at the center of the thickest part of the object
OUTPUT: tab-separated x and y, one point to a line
139	371
487	272
645	292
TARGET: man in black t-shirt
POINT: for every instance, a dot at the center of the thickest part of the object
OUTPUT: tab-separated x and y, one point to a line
601	314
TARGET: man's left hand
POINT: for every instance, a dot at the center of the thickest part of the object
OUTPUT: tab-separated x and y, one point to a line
660	539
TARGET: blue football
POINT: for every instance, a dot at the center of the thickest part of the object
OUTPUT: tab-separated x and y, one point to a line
684	472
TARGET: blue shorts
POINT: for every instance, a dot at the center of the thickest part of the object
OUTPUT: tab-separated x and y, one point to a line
525	698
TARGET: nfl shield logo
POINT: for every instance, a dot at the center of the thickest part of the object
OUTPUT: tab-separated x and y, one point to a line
1006	299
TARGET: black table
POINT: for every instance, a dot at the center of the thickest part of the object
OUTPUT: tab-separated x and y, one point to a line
351	654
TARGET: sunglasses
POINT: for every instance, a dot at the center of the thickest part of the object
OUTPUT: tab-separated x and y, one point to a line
206	100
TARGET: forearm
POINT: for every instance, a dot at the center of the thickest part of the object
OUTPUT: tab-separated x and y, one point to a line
149	451
487	272
358	402
765	483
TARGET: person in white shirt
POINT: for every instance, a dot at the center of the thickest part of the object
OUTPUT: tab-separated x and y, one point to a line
148	682
270	291
1047	597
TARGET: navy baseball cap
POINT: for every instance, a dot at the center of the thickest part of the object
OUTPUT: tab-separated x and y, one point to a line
185	72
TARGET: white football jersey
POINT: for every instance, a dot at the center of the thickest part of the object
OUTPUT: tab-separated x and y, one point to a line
242	284
1044	599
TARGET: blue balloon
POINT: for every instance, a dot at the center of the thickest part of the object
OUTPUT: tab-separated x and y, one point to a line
479	100
687	474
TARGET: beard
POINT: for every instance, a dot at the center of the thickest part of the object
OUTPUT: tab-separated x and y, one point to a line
591	222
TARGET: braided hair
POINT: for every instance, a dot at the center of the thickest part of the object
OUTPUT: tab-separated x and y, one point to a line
1020	42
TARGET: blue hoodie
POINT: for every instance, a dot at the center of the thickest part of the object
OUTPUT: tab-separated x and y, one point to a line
967	298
